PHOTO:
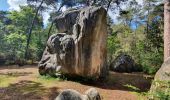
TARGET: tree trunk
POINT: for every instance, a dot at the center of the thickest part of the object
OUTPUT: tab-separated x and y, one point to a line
30	29
108	6
166	29
148	19
88	2
50	29
53	22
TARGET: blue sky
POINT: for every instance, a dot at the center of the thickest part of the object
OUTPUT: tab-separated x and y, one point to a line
14	5
4	5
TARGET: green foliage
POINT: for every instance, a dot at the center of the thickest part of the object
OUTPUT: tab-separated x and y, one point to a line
14	34
145	42
162	95
143	48
160	91
49	78
112	46
17	43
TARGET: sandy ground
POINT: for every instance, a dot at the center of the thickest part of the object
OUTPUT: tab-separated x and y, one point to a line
26	85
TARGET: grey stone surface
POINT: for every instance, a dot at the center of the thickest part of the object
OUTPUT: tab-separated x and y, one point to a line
80	46
123	63
69	94
93	94
163	73
161	83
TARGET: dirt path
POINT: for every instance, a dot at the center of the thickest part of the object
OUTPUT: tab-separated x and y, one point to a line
24	83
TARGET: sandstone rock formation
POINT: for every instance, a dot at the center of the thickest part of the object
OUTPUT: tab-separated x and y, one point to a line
69	94
79	47
161	83
164	72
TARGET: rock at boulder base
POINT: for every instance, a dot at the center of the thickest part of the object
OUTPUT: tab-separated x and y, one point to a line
161	83
93	94
80	46
164	72
123	63
69	94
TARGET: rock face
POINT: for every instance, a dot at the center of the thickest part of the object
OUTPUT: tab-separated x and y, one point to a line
93	94
161	83
69	94
80	46
123	63
164	72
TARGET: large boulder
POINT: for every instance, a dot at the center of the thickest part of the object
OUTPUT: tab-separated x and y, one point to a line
69	94
164	72
79	47
161	85
123	63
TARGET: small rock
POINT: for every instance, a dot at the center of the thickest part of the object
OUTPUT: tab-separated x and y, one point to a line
70	94
93	94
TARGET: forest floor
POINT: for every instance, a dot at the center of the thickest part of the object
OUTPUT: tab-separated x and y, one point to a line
25	83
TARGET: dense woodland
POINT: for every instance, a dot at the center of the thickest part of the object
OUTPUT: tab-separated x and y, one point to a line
136	31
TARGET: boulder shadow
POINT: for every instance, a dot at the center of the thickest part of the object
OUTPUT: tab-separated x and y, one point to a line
28	90
135	82
2	67
16	74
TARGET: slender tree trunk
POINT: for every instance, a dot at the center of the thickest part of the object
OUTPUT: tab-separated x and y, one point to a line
108	6
50	28
53	22
88	2
60	8
166	29
148	19
31	28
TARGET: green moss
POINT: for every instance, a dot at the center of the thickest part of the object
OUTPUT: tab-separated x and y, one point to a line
48	81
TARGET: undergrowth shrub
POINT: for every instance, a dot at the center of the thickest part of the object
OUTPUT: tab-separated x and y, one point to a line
160	91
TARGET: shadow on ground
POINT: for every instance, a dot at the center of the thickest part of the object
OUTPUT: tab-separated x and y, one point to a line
135	82
2	67
28	90
16	74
